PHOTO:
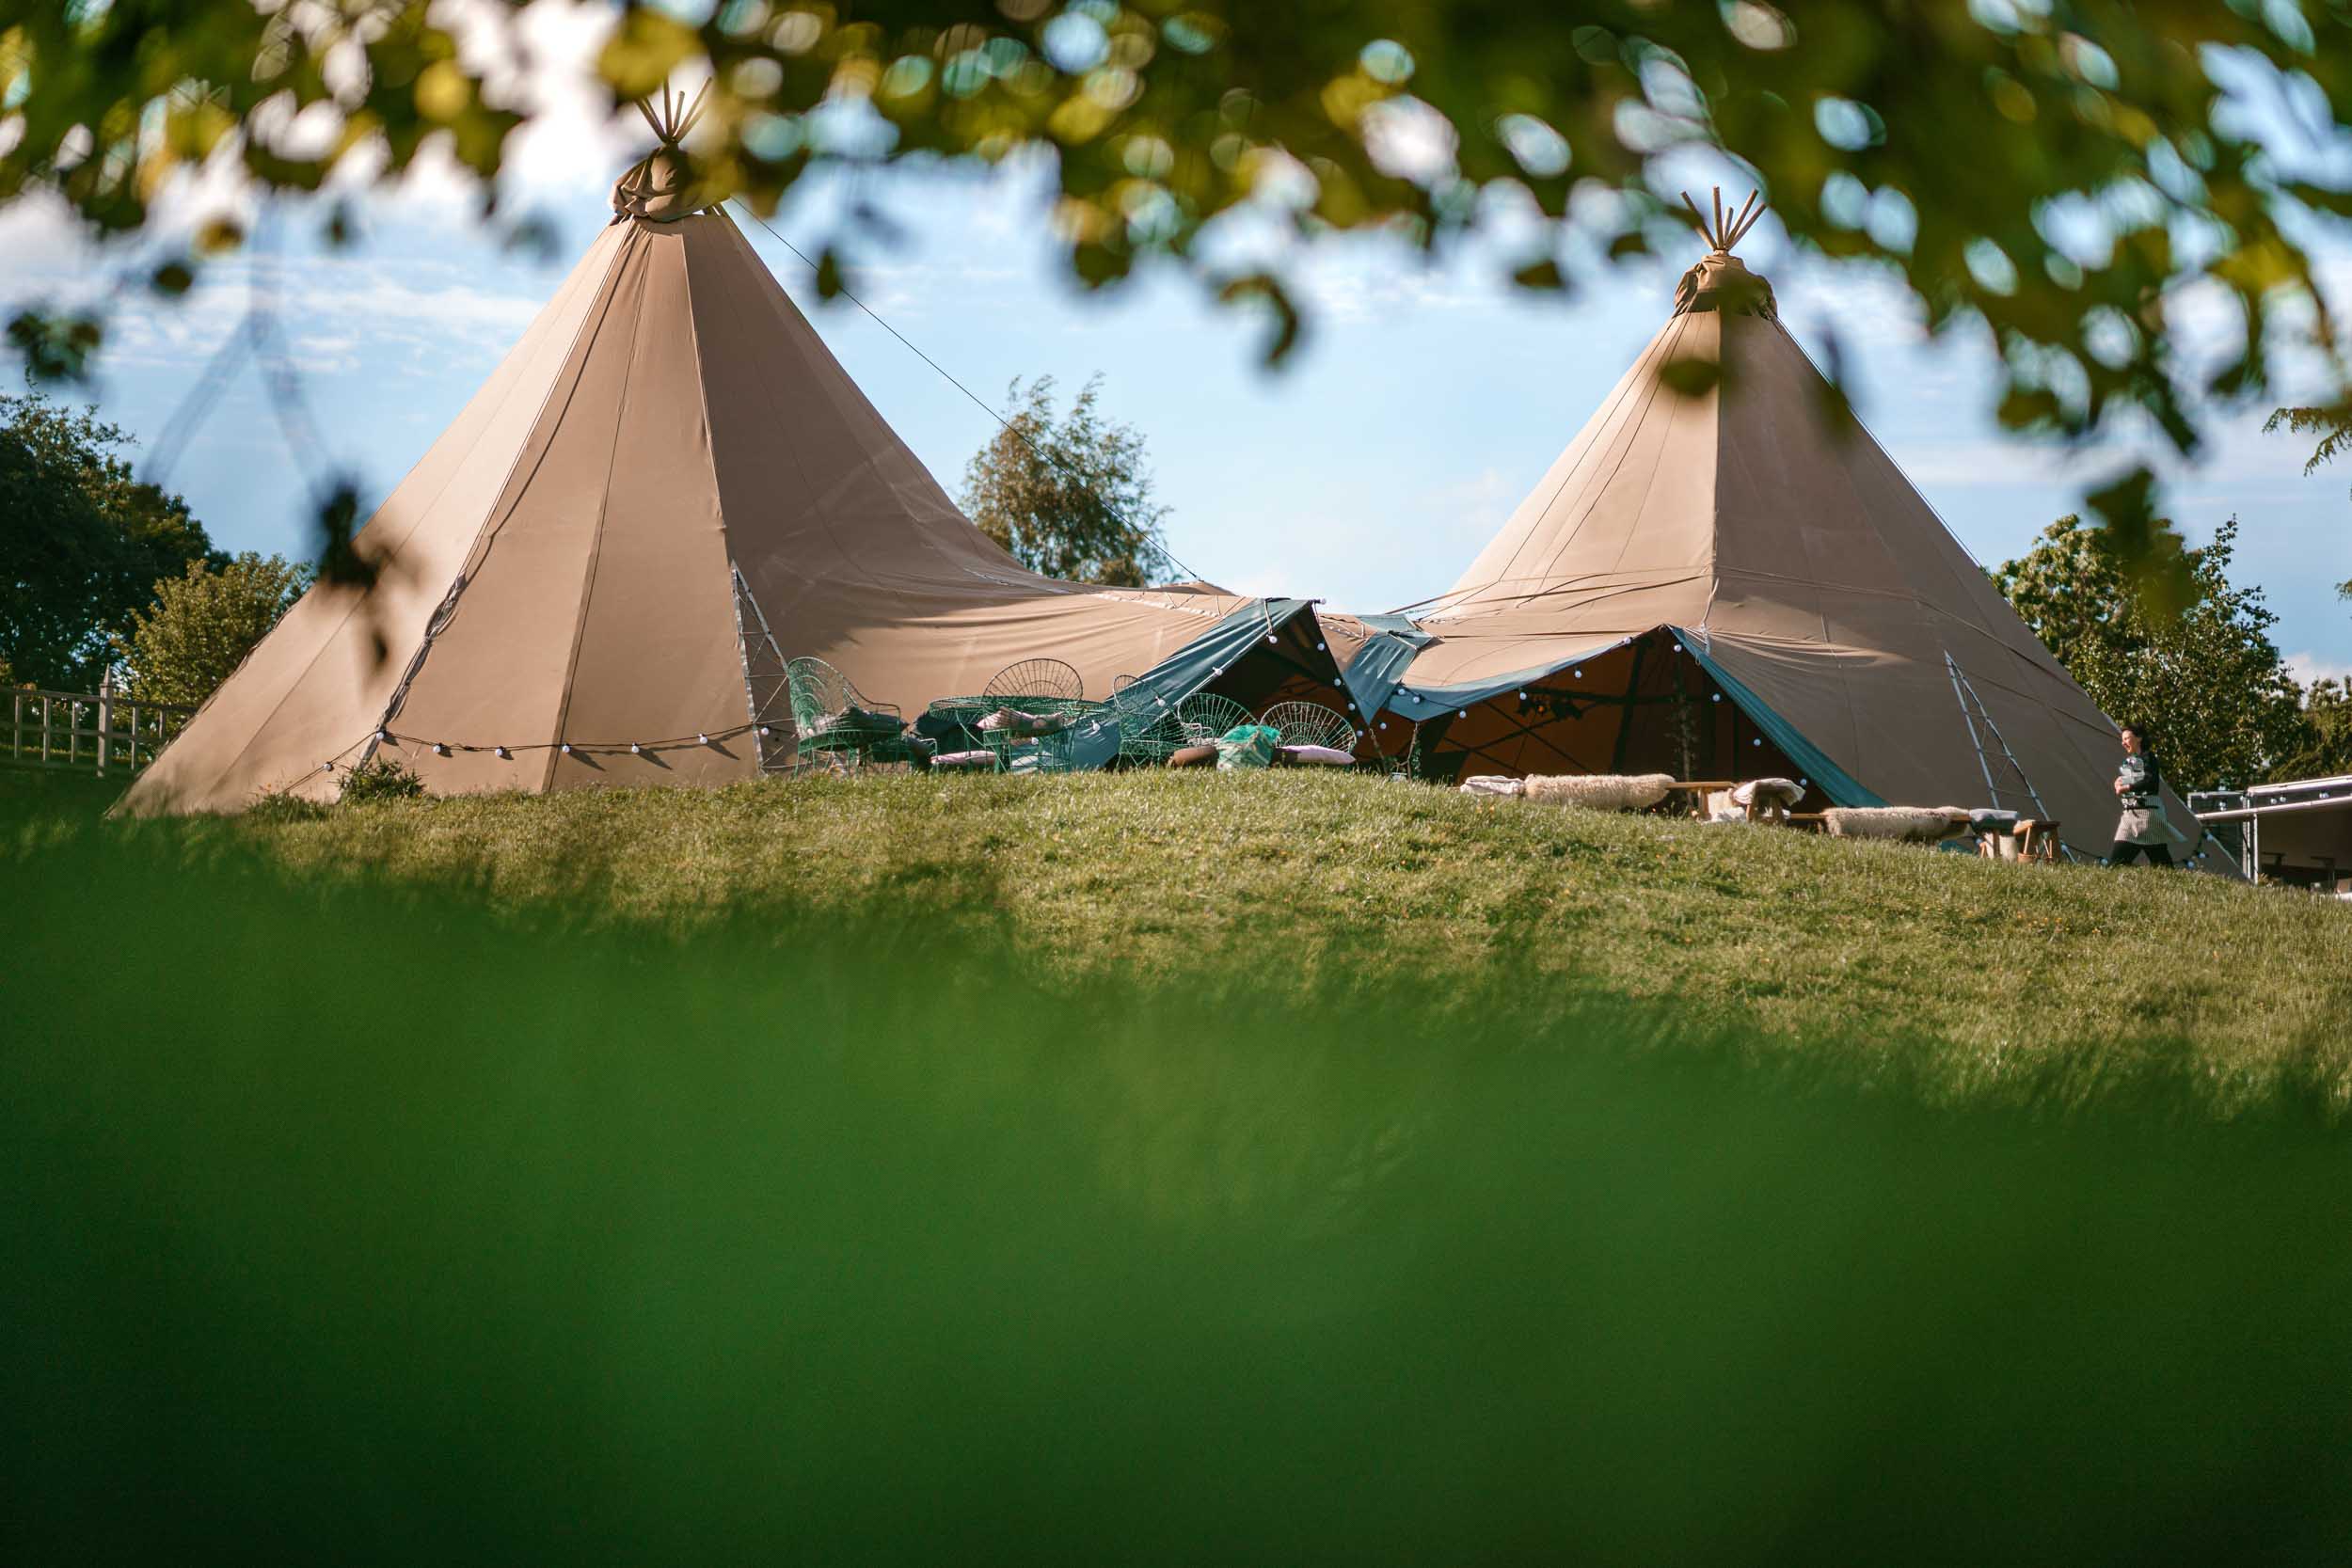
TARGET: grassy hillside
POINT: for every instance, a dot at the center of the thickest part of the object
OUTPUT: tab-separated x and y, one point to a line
695	1195
1976	980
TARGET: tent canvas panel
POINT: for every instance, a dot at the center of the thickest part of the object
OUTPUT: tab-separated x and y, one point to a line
293	702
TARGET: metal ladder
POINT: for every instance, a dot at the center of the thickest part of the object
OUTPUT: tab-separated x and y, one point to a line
1980	723
766	685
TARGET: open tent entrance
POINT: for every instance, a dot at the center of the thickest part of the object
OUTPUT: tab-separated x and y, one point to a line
1648	704
1291	663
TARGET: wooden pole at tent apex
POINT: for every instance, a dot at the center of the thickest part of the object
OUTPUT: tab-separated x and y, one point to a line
677	115
1721	236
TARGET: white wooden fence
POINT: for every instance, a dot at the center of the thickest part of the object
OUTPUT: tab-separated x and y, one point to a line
104	733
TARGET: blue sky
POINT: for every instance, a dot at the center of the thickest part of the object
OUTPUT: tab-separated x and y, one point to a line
1368	472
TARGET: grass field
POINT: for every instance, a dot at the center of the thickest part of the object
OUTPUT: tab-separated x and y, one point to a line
1960	979
1156	1169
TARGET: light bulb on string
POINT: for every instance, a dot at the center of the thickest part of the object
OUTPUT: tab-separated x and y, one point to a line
501	753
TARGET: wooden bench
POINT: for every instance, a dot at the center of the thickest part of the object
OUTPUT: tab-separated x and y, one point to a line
2036	840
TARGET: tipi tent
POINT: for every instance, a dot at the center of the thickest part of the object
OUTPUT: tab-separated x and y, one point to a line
1722	577
668	488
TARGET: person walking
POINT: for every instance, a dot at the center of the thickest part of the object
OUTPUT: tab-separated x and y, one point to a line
2139	790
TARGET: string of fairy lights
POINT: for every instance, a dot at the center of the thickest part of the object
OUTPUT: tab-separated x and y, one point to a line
700	739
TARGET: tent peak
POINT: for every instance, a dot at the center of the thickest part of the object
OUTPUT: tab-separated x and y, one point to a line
1721	281
662	185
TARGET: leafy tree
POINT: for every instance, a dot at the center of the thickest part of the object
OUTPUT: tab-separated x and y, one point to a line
82	541
2326	749
2209	680
2022	166
203	624
1068	497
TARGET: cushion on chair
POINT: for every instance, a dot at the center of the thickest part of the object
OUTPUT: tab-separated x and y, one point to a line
859	721
960	761
1316	756
1027	726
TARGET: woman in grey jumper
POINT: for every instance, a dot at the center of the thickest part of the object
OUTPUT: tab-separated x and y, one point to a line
2139	790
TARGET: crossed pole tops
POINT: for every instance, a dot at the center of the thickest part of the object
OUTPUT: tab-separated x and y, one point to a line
1719	234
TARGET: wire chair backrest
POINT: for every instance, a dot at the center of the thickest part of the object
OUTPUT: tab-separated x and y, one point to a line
1204	715
1312	724
1035	677
817	690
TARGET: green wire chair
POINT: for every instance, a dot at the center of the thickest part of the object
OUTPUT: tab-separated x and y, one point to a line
836	721
1146	724
1031	678
1204	715
1312	724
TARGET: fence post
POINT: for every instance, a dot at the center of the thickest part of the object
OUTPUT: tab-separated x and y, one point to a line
105	716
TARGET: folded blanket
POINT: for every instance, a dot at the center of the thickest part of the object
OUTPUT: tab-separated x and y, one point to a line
1600	791
1024	726
958	761
1246	746
1909	824
1494	783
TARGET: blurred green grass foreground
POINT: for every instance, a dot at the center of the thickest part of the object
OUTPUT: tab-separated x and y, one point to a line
1155	1169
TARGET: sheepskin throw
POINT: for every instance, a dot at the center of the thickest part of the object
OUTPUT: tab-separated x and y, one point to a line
1600	791
1313	756
1788	792
1493	784
1910	824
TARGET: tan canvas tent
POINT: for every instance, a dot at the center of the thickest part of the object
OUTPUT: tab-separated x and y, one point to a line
667	489
1723	576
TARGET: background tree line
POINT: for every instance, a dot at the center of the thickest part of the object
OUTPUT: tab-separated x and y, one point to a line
99	570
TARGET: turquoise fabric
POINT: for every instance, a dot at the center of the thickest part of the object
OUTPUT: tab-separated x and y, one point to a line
1192	667
1431	701
1371	675
1246	746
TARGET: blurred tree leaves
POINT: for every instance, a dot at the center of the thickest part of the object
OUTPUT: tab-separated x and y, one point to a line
2050	170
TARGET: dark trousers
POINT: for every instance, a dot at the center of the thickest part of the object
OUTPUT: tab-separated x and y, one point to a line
2123	854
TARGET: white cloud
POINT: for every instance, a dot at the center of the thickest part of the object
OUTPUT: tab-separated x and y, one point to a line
2308	667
